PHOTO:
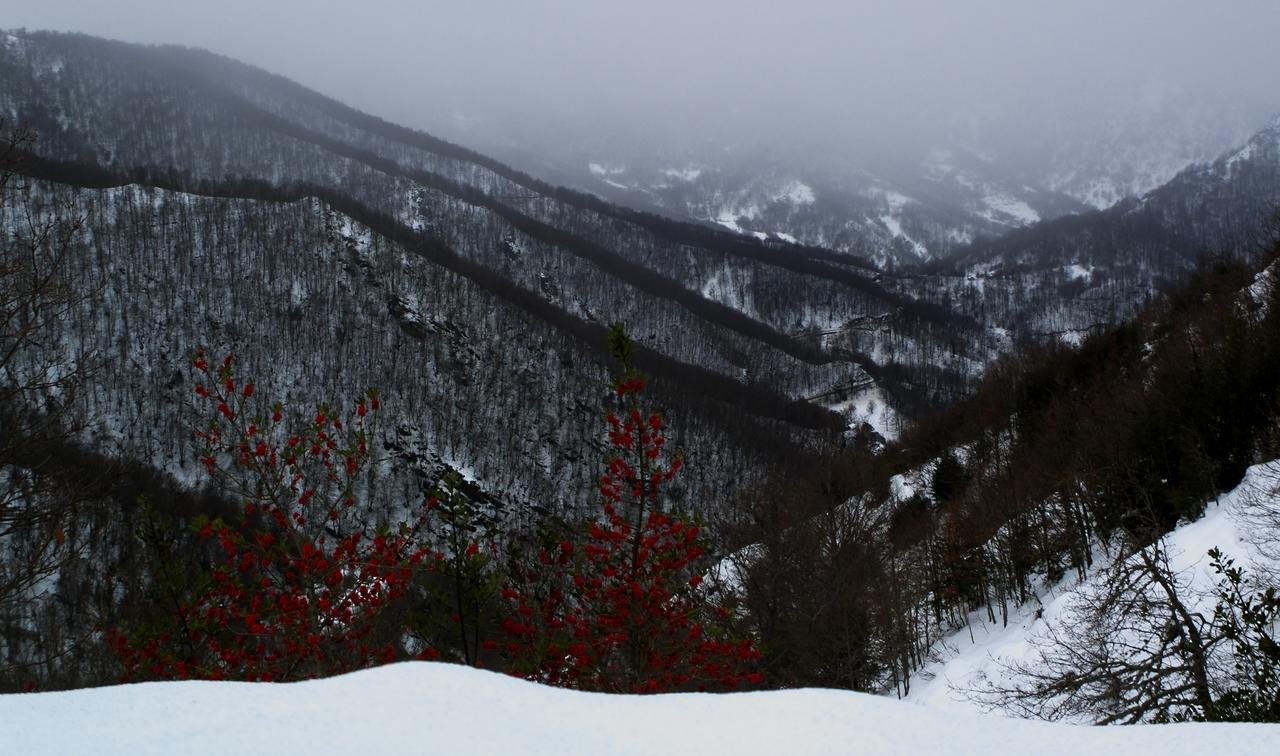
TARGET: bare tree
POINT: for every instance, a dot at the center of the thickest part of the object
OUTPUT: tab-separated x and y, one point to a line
1259	515
38	383
1131	647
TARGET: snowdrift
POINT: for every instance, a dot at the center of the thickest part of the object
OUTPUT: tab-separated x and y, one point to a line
437	708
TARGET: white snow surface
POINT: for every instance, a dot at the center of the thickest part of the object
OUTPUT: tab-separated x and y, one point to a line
1078	272
796	193
895	228
688	173
422	707
1004	206
600	169
971	655
870	407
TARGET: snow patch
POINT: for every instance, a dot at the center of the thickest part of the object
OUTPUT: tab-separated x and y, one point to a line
729	220
894	199
1002	206
1078	272
796	193
1241	155
683	174
900	488
895	229
871	408
729	288
601	169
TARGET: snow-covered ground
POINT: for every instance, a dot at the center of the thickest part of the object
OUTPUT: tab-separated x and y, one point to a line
438	708
974	654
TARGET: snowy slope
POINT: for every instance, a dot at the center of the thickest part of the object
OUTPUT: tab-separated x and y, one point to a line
972	655
437	708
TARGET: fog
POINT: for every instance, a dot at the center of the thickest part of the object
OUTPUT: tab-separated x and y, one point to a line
852	75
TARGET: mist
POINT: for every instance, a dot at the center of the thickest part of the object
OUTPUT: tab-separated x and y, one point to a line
853	77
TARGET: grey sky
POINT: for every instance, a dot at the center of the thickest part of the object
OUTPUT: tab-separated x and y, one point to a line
814	70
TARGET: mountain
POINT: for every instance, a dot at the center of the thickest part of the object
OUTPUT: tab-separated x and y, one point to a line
892	213
988	171
476	297
1074	274
480	271
1136	144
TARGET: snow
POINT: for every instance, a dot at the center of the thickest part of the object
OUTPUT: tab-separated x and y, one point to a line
1243	154
437	708
683	174
871	408
895	228
973	654
1078	272
901	488
897	200
731	288
1003	206
1259	292
786	237
796	193
894	199
729	219
599	169
1100	193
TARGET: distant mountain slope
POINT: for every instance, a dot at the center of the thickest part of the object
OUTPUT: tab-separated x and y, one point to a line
989	169
1066	276
1139	144
1214	205
890	215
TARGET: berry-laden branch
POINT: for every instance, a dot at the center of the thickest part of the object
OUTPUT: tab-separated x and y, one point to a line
623	608
301	584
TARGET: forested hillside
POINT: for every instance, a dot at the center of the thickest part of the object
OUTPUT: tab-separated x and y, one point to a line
1065	460
759	333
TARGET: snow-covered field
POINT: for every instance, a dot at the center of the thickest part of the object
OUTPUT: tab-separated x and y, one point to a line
437	708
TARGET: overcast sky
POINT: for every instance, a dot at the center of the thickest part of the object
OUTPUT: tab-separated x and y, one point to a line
825	70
